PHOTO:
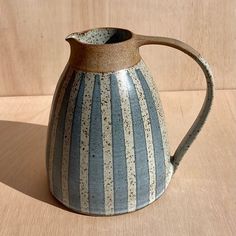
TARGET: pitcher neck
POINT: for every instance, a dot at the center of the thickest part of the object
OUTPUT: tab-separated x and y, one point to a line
103	50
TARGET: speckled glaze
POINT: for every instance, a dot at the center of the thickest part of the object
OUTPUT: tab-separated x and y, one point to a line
107	147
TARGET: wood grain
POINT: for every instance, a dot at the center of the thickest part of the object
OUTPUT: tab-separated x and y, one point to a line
33	51
199	201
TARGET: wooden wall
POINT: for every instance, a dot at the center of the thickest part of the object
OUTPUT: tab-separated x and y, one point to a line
33	51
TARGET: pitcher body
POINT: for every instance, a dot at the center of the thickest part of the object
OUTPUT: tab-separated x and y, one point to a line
107	148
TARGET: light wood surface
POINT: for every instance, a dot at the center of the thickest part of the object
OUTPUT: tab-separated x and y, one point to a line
199	201
33	51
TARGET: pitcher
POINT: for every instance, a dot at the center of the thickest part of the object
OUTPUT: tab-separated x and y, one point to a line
107	147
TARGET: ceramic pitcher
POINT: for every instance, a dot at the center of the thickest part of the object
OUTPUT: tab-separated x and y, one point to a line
107	147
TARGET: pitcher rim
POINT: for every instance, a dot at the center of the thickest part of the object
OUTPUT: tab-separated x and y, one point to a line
81	33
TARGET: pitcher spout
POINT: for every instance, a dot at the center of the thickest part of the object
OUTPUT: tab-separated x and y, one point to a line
72	39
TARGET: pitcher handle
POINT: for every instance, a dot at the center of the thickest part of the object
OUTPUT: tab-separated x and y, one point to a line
201	118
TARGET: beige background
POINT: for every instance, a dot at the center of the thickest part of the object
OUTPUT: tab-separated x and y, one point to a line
33	51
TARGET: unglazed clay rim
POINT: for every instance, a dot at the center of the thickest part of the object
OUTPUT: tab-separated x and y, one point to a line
101	45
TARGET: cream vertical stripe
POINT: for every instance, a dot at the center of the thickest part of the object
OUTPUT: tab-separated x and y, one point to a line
149	79
107	144
67	139
129	142
148	135
55	116
84	142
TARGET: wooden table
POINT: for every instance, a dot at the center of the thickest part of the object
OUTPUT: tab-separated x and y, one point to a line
201	199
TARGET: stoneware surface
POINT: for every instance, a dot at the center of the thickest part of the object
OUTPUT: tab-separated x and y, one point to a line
107	148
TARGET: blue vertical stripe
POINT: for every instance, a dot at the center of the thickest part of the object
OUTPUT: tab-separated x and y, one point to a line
156	134
74	162
57	159
52	113
96	176
141	158
118	150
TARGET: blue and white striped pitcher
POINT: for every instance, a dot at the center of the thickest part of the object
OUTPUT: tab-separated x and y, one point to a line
107	148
